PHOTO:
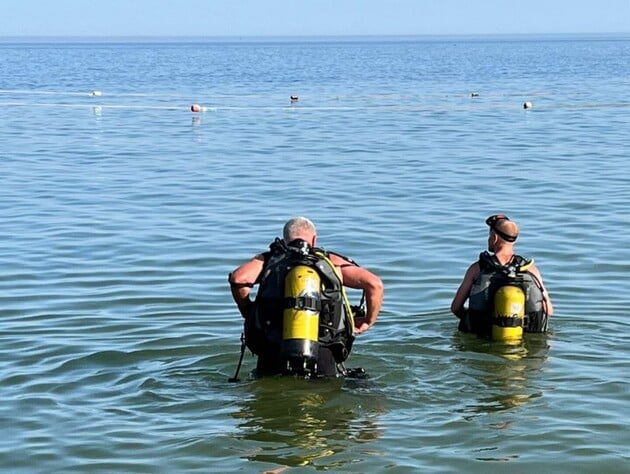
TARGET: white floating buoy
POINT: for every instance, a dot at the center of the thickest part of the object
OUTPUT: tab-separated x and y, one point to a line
96	93
197	108
528	105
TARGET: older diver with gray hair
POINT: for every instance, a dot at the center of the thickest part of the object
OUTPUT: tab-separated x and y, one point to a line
264	316
299	228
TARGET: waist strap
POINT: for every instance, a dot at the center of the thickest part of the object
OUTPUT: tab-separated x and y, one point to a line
303	302
508	321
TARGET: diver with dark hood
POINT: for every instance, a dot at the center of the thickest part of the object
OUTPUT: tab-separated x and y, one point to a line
301	321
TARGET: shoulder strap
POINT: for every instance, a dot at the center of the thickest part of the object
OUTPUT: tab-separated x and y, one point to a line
278	246
487	260
347	259
517	263
521	264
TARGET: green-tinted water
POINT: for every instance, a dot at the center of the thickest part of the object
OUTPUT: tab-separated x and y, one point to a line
123	214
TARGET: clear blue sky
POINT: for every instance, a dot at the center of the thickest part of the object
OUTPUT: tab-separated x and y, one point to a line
309	17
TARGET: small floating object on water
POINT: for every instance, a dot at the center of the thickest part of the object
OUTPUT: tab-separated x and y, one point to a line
474	94
528	105
197	108
294	98
96	93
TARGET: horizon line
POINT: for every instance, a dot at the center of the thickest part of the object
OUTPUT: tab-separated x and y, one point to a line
148	37
326	35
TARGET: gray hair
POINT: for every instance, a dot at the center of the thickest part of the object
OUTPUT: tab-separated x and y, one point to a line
298	227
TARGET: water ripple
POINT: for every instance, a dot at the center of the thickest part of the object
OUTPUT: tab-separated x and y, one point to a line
123	214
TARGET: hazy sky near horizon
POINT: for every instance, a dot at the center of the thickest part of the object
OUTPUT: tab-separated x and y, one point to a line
309	17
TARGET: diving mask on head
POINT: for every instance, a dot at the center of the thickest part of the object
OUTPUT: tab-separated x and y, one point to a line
492	222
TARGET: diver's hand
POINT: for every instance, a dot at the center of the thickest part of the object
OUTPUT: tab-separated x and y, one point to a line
361	325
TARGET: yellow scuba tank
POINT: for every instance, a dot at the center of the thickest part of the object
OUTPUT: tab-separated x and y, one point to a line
509	314
300	321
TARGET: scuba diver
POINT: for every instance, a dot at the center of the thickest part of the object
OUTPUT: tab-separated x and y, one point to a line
505	292
301	321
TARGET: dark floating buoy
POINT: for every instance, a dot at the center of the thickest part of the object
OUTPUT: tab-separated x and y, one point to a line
474	94
528	105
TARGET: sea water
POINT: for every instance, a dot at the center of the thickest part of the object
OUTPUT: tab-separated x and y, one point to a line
123	212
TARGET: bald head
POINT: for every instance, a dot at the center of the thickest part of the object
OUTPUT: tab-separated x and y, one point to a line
506	230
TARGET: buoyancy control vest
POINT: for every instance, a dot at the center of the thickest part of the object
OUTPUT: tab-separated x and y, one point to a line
300	306
485	316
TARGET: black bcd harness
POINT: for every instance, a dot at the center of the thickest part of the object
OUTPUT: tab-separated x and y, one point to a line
494	275
262	331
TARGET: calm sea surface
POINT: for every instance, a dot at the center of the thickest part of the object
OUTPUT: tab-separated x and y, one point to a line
122	213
